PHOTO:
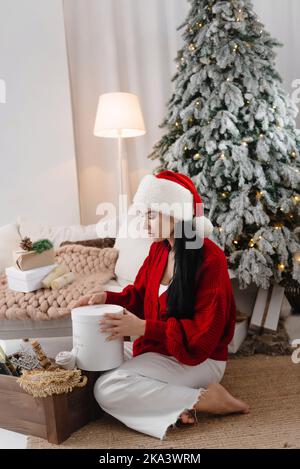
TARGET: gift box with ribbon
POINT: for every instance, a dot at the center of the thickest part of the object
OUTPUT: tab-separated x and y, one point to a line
267	308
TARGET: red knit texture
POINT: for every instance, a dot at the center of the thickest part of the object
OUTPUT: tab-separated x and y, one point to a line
191	341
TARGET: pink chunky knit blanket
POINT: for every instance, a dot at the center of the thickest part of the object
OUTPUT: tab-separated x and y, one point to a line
92	267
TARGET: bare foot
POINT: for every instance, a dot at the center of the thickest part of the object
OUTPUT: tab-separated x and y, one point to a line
217	400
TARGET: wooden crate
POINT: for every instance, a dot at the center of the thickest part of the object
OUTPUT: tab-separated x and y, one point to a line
55	417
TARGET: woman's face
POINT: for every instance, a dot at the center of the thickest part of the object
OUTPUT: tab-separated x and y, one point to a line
158	225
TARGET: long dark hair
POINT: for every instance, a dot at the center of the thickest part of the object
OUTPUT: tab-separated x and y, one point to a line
182	289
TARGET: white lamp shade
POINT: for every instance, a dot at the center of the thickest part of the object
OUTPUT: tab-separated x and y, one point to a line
119	115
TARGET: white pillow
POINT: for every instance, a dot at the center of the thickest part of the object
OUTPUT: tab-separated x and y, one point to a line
56	234
9	242
132	252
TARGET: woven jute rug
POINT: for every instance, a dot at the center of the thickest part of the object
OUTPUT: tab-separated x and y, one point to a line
271	385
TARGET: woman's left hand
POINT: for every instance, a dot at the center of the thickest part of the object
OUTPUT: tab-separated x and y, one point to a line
122	325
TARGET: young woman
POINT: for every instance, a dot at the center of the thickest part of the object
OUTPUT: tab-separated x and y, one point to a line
182	310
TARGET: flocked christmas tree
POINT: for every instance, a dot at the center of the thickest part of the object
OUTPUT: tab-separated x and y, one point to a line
230	126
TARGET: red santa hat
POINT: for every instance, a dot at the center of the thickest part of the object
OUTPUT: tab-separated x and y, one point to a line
174	194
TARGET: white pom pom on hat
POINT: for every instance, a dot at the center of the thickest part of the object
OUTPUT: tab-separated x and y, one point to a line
174	194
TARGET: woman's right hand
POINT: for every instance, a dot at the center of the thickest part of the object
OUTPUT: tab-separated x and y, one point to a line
90	299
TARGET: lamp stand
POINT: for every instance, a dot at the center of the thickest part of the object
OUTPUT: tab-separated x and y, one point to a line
123	180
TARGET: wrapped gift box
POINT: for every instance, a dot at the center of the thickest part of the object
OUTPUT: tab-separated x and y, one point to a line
28	280
267	308
240	334
27	260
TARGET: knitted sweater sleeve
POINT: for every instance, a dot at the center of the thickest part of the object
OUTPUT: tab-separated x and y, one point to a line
132	296
192	341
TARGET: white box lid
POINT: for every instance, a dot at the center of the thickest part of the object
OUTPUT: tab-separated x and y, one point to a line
92	313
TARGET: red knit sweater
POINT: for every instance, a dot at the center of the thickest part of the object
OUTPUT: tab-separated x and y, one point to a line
191	341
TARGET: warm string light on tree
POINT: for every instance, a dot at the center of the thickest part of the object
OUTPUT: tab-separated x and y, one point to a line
259	195
296	198
297	257
251	243
192	47
239	16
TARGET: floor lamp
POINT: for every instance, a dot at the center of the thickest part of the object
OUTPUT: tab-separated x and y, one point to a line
119	116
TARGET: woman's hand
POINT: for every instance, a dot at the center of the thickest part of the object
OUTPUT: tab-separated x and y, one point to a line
122	325
90	299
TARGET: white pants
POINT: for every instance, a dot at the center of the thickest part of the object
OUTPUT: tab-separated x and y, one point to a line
150	391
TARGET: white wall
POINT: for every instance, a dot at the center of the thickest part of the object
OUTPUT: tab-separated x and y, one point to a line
37	158
281	18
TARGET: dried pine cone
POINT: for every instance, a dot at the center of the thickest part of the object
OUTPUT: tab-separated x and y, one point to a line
26	244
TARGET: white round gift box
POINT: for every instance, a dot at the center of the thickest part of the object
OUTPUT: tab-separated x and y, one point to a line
93	352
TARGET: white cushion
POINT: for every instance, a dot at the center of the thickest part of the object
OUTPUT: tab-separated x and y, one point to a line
9	242
56	234
132	252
